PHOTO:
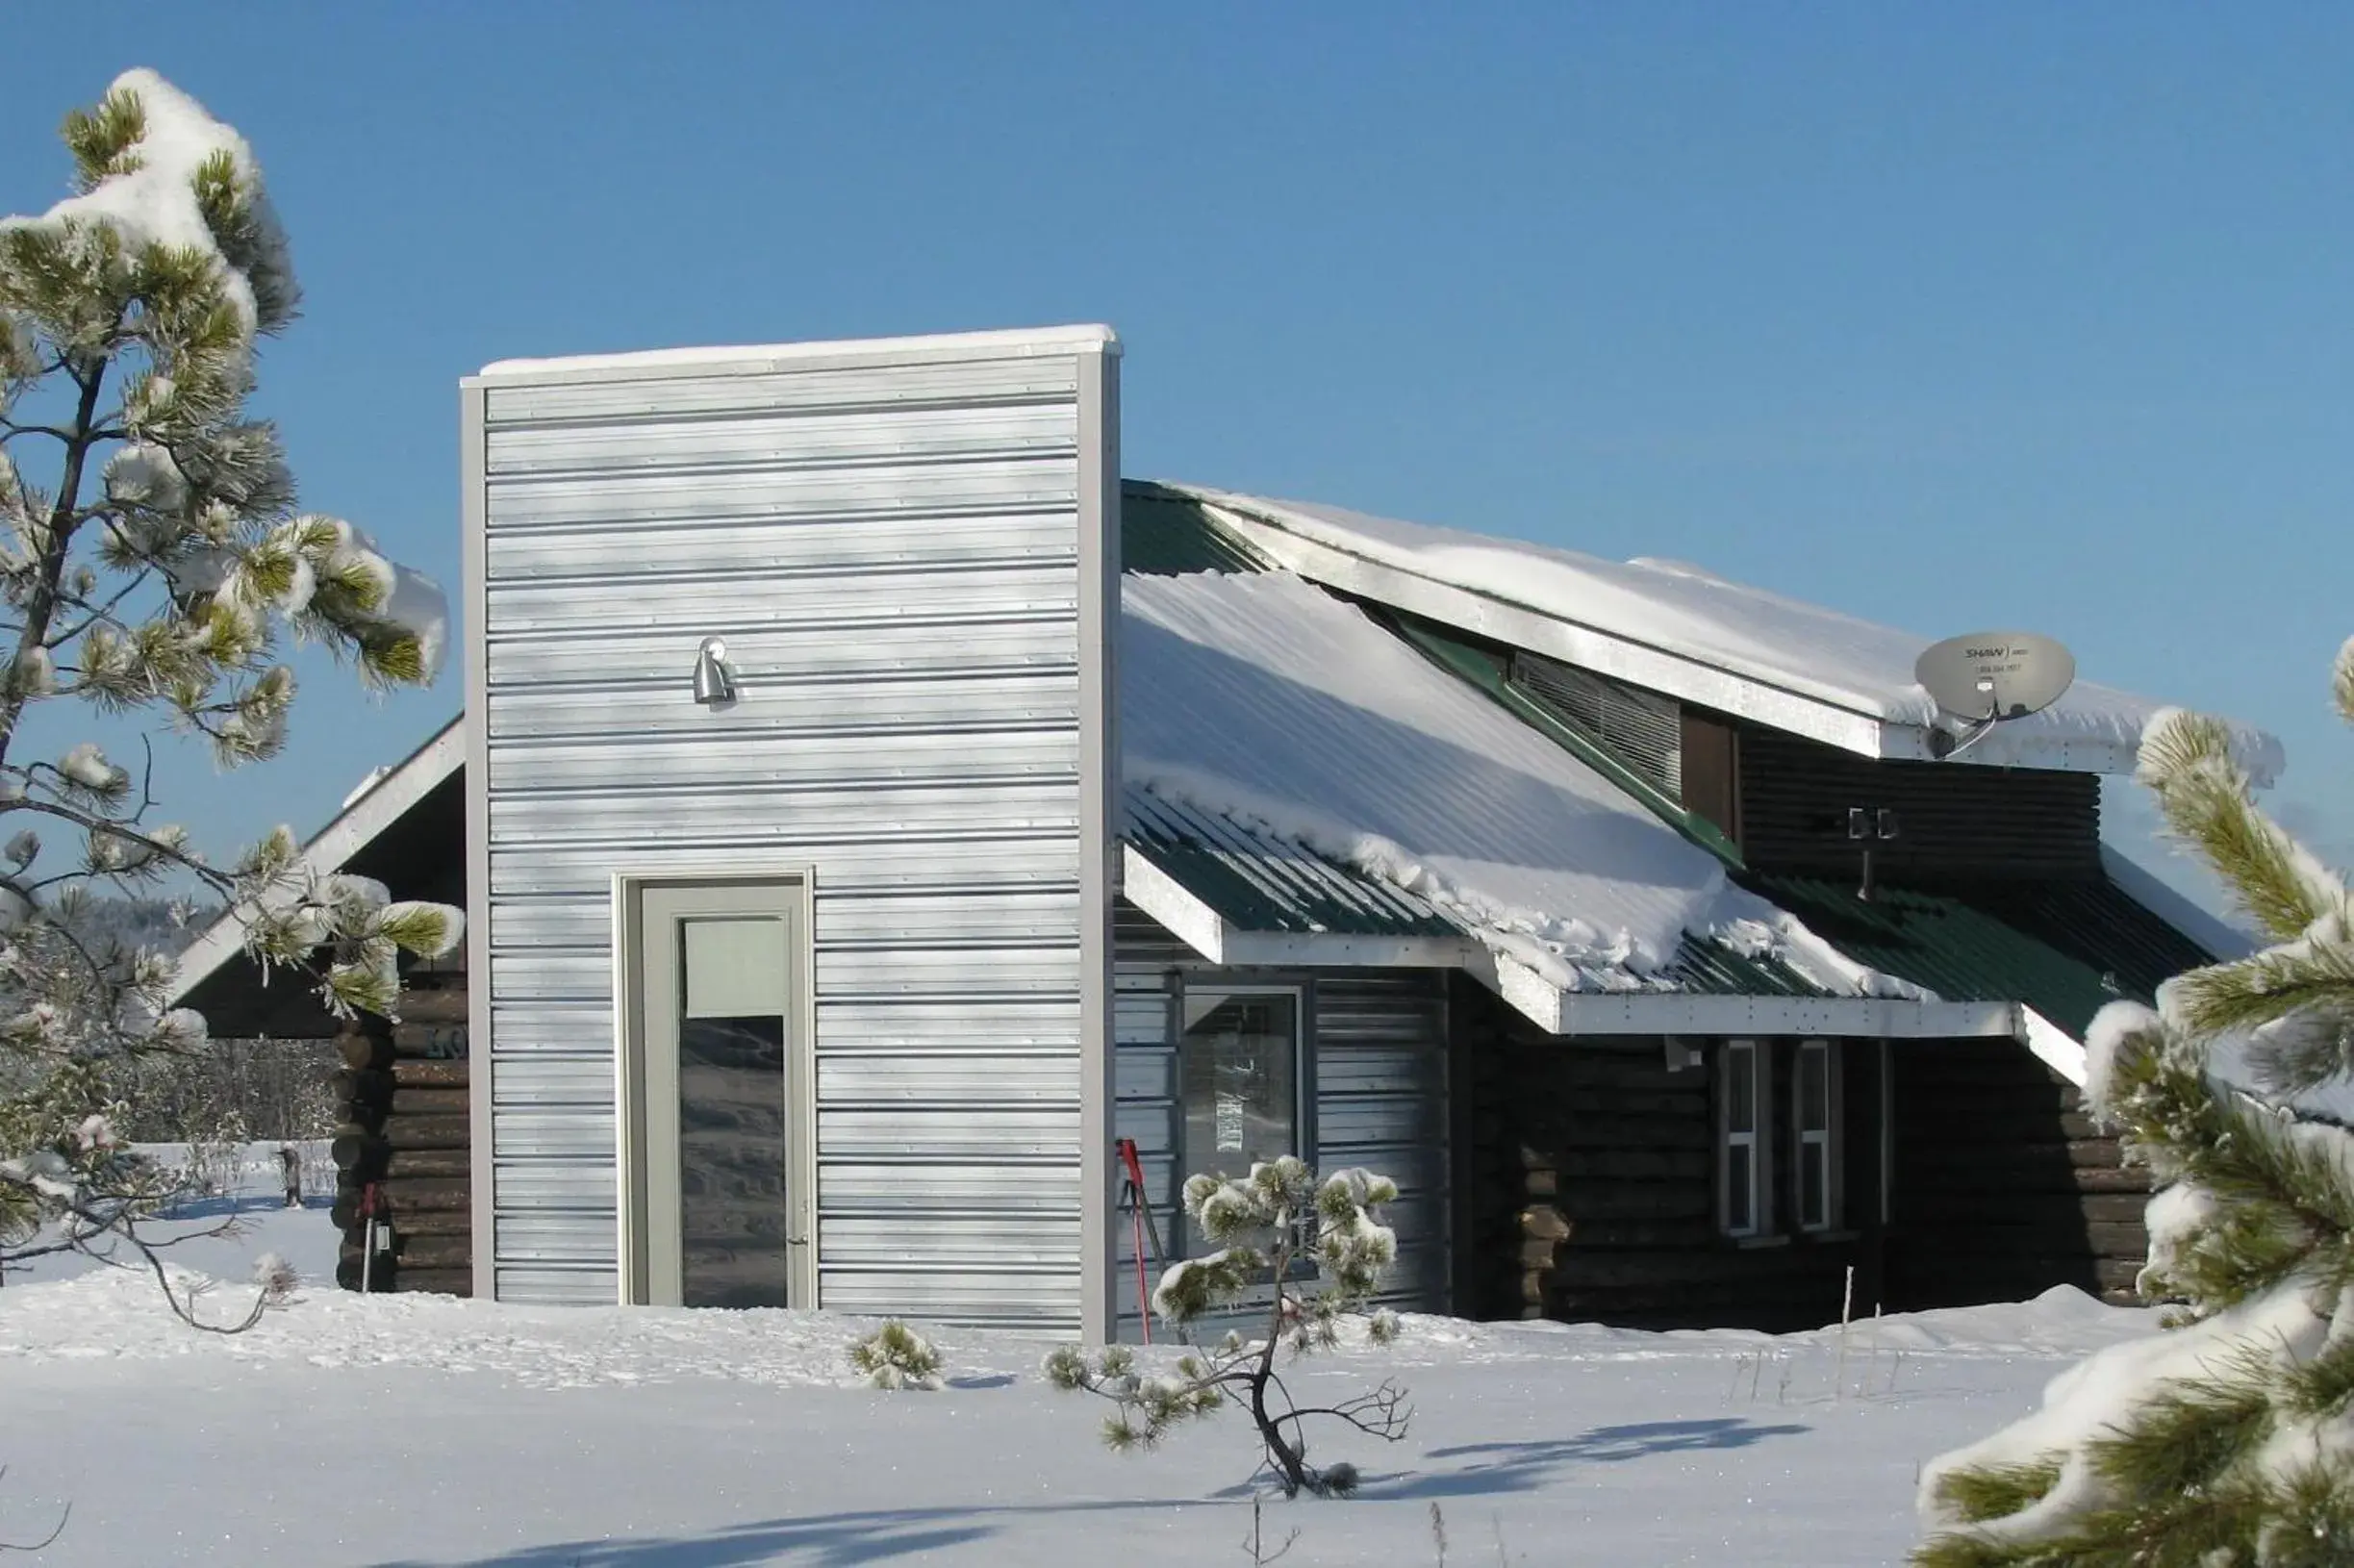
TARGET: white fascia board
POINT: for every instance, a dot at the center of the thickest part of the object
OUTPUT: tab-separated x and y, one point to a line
1171	903
1210	934
357	825
752	358
1863	1017
1336	949
2054	1046
1657	669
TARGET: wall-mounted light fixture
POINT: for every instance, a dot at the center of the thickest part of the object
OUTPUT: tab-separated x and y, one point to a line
714	684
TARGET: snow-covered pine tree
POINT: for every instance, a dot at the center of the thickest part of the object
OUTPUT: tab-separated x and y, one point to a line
152	563
1278	1215
2228	1440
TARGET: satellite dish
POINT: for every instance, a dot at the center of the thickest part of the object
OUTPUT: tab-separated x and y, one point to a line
1985	677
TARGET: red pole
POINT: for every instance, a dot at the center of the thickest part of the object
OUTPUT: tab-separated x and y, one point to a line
1136	1217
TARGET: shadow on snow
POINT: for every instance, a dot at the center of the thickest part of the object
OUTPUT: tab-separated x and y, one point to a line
840	1540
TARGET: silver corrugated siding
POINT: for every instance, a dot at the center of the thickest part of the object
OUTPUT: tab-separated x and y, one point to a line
1380	1094
894	554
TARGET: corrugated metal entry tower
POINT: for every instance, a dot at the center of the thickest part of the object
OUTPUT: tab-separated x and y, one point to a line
856	915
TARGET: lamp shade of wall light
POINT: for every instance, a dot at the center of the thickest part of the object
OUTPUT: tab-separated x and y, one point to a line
713	683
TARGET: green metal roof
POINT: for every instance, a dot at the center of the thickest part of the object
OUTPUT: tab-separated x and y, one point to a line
1258	882
1489	670
2065	948
1261	883
1709	967
1163	534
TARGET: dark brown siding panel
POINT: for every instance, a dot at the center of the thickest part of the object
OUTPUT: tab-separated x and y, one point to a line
1711	772
1954	818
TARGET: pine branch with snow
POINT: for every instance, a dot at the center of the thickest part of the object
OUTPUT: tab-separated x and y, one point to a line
1263	1224
154	565
2229	1438
894	1357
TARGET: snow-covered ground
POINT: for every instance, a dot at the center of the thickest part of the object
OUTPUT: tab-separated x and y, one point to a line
411	1429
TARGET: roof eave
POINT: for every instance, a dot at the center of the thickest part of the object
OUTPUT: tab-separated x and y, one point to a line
352	830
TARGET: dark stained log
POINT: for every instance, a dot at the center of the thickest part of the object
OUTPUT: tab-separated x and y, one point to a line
417	1252
428	1162
1581	1269
1957	1204
432	1222
361	1086
419	1072
420	1008
407	1102
1637	1201
407	1194
421	1218
359	1050
442	1281
436	1252
430	1042
416	1132
1651	1133
1634	1165
358	1149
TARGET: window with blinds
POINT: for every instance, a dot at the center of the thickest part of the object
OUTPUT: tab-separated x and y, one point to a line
1643	730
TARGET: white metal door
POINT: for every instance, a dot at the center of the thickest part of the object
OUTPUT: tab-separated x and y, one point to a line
717	1074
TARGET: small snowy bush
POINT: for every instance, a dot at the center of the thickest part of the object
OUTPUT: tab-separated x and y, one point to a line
895	1357
1277	1215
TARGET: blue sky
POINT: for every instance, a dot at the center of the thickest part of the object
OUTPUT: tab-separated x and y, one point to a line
2005	316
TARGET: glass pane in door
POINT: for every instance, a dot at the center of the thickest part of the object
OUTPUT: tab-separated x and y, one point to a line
731	1112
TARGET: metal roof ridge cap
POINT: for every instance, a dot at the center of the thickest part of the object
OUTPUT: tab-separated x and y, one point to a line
1236	507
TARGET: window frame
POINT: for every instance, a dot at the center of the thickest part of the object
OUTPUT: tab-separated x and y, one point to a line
639	983
1751	1145
1303	1088
1803	1140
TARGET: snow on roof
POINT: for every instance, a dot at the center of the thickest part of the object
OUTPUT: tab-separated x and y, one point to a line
1021	341
1264	698
1688	632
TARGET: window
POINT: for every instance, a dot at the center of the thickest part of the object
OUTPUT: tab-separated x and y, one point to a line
1766	1091
1239	1068
1742	1091
1813	1114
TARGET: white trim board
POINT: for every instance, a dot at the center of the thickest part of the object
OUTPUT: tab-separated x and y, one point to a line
1641	663
1558	1012
356	827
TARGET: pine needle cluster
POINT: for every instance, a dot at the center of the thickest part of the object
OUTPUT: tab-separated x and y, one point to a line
2228	1440
894	1357
154	567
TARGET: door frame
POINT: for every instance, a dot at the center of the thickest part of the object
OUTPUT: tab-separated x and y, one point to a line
632	1154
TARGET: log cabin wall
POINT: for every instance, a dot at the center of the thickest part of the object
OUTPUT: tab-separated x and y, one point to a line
1590	1185
406	1133
2004	1186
